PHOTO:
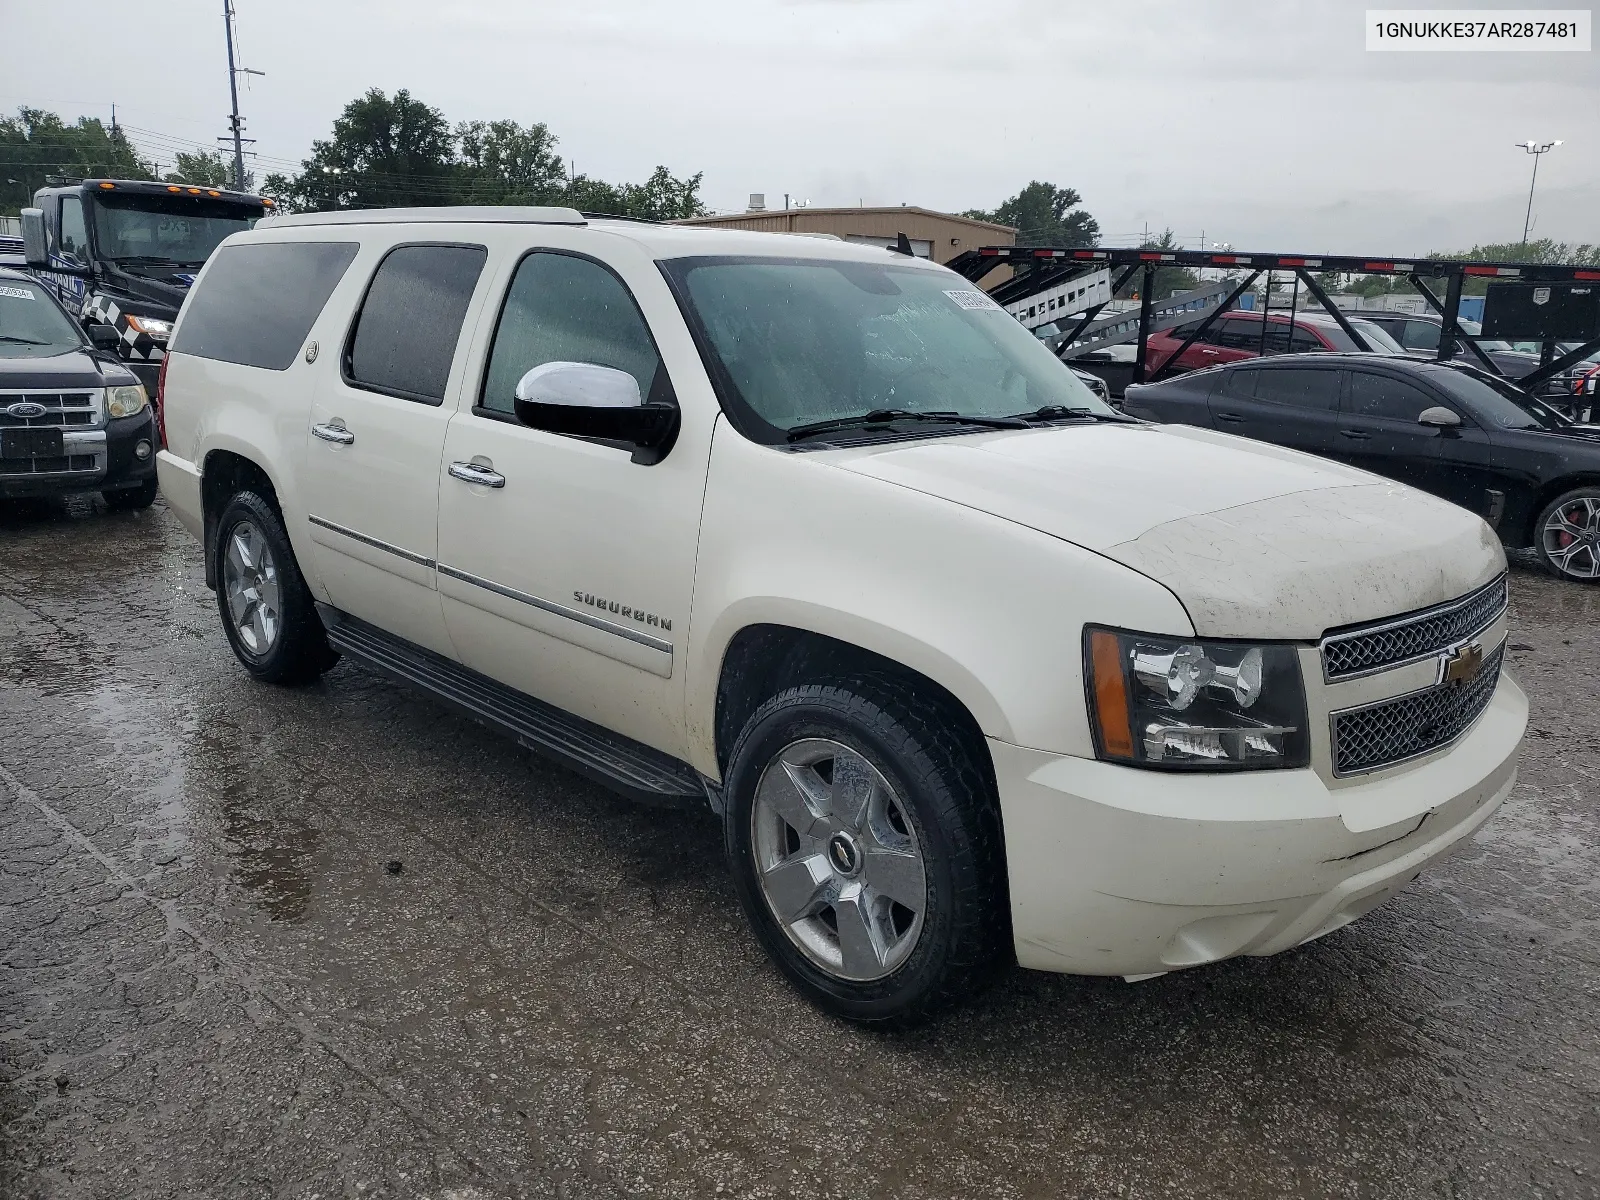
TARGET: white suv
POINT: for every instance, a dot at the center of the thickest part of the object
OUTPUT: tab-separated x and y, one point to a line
970	664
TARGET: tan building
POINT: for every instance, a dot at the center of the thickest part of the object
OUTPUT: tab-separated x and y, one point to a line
936	235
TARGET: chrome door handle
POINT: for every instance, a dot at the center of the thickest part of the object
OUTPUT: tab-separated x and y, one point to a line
333	433
469	472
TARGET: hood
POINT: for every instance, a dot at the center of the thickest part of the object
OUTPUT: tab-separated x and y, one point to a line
63	372
153	291
1254	540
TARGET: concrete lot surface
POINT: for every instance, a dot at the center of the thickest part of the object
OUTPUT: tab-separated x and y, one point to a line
336	942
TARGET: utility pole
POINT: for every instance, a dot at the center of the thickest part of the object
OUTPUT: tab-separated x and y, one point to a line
1536	149
235	122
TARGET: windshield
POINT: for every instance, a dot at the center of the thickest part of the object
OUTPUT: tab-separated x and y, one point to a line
1497	402
175	229
31	326
1375	337
803	341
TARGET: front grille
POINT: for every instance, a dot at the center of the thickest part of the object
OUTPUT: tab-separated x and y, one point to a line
1391	731
1421	635
61	409
47	466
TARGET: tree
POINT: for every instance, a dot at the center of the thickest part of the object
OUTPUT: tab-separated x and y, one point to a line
205	168
504	163
1045	215
384	153
399	152
37	147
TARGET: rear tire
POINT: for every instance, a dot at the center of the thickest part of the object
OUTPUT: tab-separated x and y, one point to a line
141	495
1567	536
865	845
267	611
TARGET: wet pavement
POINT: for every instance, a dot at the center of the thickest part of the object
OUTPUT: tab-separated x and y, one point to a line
337	942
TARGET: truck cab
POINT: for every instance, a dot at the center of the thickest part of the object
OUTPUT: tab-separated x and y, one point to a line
123	252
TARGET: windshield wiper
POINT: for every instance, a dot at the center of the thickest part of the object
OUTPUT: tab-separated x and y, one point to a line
22	341
152	260
1059	412
886	416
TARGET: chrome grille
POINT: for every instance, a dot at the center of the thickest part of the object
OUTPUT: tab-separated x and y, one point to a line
1408	639
1392	731
62	409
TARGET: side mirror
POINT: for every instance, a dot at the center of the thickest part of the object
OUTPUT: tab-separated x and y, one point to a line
103	336
1439	417
34	251
588	400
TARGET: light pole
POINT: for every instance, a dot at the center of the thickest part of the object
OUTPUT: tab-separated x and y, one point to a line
1535	149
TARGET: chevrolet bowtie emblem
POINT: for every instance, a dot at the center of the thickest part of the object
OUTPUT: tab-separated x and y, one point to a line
1462	664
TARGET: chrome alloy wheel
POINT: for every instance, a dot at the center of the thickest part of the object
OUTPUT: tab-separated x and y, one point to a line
838	859
250	583
1571	538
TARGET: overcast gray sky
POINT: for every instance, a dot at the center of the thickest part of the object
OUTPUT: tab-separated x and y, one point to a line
1264	124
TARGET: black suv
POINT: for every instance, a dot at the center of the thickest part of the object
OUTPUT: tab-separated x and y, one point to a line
72	418
1447	428
1419	334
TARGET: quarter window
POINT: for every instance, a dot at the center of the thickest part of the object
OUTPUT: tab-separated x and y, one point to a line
73	238
1389	399
405	336
562	308
1301	387
256	303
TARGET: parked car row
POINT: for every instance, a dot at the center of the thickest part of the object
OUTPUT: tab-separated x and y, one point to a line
1447	428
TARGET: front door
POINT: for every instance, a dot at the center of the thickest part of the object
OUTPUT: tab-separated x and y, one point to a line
377	431
1378	430
567	569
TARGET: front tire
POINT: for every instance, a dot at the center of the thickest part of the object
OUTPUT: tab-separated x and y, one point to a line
139	496
267	611
864	842
1567	535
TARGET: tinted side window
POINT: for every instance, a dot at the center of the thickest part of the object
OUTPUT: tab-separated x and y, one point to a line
73	238
1419	335
1300	386
561	308
410	320
1381	396
1239	335
1240	385
257	302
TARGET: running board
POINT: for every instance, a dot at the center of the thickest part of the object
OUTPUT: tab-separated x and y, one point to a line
630	768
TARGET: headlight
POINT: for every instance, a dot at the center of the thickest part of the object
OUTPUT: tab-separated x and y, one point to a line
1171	702
125	401
154	329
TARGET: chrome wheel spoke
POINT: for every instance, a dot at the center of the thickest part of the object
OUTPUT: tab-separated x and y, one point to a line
861	947
851	790
796	793
796	887
897	875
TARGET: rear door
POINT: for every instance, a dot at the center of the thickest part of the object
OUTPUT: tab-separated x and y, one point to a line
1378	430
376	434
1297	407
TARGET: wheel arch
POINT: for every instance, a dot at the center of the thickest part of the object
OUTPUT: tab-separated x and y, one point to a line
763	658
223	473
1544	495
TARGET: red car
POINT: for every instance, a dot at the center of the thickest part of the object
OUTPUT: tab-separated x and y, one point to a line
1237	335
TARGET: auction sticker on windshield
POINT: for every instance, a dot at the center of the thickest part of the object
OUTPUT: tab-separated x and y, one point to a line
966	298
17	293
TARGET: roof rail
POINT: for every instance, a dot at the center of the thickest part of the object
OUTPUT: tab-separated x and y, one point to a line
503	214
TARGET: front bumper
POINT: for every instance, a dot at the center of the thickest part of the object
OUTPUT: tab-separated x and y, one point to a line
99	460
1121	871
